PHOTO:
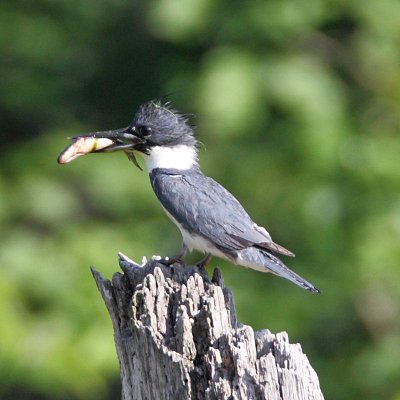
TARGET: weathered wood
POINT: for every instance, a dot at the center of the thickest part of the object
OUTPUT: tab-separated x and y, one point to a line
177	337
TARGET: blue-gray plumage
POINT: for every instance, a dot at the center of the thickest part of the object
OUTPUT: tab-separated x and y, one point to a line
210	218
204	208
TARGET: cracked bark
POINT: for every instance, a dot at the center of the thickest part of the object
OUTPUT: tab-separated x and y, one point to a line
177	337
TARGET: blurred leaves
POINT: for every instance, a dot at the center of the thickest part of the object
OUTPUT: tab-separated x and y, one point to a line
170	21
229	83
298	115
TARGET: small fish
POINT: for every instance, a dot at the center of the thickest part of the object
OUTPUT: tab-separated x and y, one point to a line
91	144
132	158
83	145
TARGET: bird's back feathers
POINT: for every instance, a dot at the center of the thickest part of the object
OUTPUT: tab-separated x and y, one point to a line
205	208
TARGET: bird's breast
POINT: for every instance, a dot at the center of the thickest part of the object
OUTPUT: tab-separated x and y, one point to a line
196	242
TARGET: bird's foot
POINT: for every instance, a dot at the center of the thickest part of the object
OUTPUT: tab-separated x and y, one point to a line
175	259
204	261
168	261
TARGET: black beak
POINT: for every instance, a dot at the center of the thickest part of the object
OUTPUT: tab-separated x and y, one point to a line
123	139
101	142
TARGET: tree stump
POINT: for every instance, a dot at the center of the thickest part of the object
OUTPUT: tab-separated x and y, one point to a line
177	337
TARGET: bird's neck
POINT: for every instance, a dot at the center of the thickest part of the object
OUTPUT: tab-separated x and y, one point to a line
180	157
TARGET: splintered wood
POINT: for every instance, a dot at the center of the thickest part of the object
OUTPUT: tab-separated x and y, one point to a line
177	337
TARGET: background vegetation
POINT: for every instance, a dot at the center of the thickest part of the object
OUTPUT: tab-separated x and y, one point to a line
298	106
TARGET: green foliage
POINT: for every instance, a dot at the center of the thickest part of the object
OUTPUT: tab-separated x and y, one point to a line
298	105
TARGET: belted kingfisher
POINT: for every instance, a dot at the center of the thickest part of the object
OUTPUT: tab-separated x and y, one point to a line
209	218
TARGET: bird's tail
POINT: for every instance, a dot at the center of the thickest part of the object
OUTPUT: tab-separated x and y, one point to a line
264	261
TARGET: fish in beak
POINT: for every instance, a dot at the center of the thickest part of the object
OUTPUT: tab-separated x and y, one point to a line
101	142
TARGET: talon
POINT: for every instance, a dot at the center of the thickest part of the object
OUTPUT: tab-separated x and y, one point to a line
175	259
168	261
204	261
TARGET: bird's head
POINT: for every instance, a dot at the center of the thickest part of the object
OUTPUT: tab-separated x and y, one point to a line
162	135
159	125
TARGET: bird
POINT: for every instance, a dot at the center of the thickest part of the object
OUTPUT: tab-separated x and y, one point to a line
211	220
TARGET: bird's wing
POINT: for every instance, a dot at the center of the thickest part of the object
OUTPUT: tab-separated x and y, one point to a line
268	245
202	206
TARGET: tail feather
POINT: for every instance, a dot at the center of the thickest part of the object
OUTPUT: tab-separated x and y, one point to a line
275	247
264	261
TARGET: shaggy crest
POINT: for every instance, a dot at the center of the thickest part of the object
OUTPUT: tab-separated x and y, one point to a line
164	125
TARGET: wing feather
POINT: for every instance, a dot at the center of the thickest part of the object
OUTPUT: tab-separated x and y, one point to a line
204	207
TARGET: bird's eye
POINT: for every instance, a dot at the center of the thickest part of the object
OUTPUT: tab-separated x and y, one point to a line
144	130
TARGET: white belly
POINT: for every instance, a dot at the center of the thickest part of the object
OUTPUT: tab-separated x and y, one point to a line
195	242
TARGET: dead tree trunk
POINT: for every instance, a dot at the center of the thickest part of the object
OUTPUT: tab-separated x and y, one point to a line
177	337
